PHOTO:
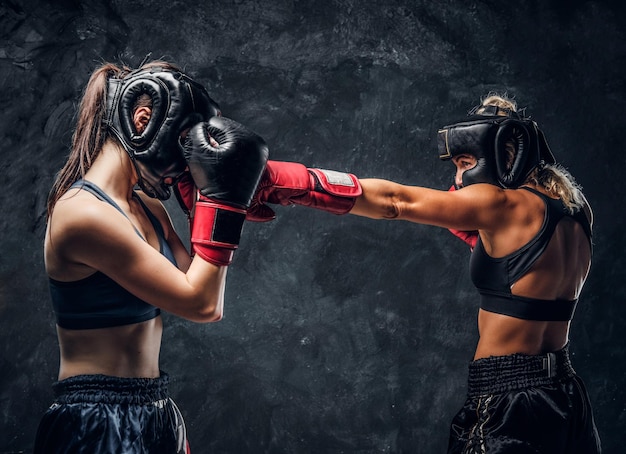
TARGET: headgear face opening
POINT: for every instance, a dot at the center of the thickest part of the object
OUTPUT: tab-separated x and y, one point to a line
485	137
177	104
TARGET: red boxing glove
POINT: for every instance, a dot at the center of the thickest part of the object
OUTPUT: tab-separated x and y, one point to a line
470	237
287	183
186	193
216	230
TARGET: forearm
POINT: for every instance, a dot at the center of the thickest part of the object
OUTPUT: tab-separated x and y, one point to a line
379	199
206	283
383	199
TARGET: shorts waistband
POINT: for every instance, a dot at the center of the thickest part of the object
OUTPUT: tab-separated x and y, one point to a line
498	374
108	389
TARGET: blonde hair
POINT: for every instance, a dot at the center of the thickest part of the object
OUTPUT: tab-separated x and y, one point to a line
502	101
554	178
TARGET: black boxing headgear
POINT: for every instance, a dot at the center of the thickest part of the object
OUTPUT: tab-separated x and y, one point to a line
485	137
177	104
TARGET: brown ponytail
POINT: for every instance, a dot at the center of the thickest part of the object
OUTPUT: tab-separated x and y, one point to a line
90	133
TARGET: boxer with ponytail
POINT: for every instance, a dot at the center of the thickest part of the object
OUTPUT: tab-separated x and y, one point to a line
114	261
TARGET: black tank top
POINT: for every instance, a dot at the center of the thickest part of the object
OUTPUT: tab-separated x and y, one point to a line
493	277
97	301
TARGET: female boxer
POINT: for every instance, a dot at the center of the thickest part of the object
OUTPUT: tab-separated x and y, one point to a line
114	261
531	228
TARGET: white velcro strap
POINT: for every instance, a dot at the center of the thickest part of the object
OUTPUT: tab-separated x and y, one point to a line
338	183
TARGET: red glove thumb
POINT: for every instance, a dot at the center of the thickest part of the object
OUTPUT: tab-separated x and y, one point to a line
185	192
469	237
259	212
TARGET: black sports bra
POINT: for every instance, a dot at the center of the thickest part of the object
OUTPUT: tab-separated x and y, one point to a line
493	277
97	301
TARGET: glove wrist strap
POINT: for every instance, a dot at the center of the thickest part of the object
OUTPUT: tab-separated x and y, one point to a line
216	231
333	191
335	183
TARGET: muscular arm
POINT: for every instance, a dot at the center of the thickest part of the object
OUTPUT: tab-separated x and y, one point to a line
476	207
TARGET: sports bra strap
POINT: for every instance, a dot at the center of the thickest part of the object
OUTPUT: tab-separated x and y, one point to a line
580	216
100	194
153	220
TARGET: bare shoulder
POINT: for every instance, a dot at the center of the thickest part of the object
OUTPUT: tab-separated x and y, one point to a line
77	224
492	209
80	221
487	196
74	211
587	209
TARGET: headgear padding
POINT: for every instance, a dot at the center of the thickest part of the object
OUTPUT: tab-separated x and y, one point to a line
177	104
485	137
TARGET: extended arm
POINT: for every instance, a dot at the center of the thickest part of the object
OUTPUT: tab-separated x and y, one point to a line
470	209
383	199
283	183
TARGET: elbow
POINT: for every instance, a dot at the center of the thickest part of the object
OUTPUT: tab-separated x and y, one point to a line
391	204
216	316
391	210
378	201
209	312
383	209
207	316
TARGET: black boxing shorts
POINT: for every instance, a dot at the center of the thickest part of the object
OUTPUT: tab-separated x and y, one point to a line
103	414
524	404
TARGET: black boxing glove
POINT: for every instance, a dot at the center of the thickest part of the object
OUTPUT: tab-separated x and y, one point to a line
226	161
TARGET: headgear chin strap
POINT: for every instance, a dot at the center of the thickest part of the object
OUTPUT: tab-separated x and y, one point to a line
177	104
485	137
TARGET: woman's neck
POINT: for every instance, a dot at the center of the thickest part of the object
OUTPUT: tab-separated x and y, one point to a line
113	171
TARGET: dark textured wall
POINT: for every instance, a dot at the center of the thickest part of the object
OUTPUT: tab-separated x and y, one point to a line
341	334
